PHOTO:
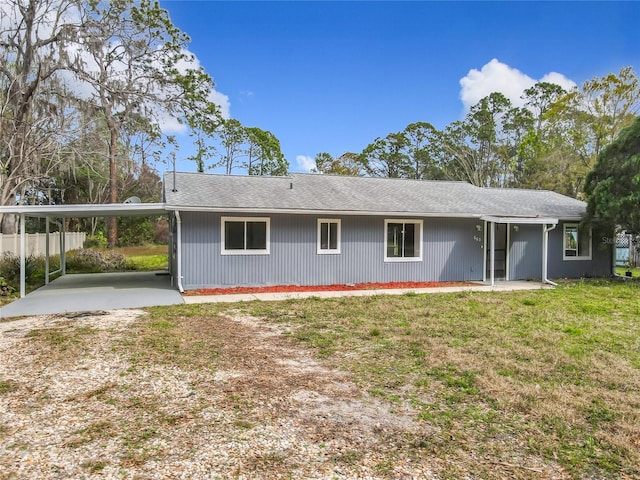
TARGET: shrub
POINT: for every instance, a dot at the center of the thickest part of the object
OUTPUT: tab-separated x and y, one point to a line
134	231
10	268
92	261
95	241
161	234
5	289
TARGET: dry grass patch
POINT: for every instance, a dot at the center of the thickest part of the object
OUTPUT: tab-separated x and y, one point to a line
534	380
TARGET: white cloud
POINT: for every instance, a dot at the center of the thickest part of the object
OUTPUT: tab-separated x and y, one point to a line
496	76
305	162
559	79
222	101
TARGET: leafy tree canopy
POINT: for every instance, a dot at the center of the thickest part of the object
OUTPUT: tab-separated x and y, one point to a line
613	186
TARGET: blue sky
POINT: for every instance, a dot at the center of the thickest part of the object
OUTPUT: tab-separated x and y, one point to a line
333	76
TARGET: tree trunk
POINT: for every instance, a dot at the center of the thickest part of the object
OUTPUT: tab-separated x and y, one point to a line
8	223
112	222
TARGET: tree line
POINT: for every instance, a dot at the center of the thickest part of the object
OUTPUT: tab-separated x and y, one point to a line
550	142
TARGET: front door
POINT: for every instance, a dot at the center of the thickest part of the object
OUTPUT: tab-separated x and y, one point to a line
500	250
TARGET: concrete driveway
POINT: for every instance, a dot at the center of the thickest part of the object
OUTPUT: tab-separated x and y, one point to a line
96	291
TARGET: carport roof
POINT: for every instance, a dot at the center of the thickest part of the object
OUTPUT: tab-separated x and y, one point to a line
87	210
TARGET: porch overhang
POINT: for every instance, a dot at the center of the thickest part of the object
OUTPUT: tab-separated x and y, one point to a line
520	220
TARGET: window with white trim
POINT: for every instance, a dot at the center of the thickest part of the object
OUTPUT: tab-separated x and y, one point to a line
328	236
245	235
403	240
576	243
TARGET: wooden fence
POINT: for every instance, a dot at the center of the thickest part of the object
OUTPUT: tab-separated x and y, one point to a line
36	242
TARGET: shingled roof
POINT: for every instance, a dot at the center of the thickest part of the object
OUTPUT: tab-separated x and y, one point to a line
310	193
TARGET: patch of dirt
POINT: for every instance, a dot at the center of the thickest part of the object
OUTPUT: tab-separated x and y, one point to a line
263	408
324	288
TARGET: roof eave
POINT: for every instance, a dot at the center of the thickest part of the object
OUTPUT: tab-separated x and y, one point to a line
86	210
290	211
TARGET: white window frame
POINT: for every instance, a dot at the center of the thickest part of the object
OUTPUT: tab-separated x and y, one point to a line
329	251
223	249
419	226
564	240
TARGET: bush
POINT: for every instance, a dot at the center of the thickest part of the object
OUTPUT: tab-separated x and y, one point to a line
133	231
95	241
93	261
10	268
161	235
5	289
33	271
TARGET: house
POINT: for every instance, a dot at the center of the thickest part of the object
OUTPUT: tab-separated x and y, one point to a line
307	229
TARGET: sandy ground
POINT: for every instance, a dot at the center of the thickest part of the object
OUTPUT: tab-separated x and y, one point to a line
77	402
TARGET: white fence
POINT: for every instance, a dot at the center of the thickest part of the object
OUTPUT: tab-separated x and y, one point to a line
36	242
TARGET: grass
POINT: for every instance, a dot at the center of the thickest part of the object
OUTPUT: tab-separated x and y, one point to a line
550	375
635	271
501	384
145	257
6	387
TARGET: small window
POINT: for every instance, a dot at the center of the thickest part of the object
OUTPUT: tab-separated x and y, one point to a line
245	236
403	240
577	242
328	236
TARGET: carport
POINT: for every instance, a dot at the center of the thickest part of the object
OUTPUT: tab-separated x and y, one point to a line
132	289
96	291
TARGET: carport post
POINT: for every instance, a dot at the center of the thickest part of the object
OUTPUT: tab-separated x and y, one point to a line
63	247
493	253
545	252
23	248
46	252
484	253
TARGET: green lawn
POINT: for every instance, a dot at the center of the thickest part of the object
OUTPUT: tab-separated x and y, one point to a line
145	258
522	378
635	272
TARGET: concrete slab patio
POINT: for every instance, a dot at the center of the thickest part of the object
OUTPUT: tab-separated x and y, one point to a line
96	291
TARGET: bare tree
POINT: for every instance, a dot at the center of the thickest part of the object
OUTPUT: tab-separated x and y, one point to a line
32	103
121	64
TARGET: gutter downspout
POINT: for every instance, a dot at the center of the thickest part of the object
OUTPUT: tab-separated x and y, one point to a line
545	251
179	251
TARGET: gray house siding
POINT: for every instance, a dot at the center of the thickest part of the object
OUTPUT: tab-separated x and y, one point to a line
598	266
525	252
451	251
